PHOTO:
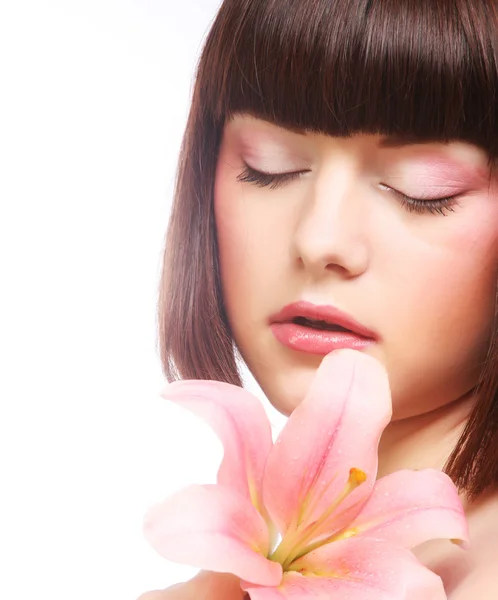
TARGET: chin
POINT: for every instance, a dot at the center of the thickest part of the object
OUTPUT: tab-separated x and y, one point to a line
287	388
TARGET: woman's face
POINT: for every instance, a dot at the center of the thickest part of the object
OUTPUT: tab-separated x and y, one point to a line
422	280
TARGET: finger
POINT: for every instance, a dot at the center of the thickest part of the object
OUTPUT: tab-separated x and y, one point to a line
204	586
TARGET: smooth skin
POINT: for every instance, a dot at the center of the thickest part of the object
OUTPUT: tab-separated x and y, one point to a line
423	277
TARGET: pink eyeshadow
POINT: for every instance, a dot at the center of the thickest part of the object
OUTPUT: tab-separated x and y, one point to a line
455	173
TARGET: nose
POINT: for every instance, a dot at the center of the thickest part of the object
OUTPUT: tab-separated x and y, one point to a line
331	232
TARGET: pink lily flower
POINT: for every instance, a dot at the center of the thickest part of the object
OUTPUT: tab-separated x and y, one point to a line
305	518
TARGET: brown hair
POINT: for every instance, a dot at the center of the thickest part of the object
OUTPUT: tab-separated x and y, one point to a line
423	70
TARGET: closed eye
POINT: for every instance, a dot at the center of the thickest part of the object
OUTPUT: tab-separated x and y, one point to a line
440	206
425	205
271	180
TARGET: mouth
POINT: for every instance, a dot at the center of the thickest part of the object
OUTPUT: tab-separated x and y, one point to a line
323	318
318	324
315	329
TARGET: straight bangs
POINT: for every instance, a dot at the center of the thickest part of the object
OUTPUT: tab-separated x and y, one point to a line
415	70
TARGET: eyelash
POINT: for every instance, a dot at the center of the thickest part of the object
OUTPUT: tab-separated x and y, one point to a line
416	205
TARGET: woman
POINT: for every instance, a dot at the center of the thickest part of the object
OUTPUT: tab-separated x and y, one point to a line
343	153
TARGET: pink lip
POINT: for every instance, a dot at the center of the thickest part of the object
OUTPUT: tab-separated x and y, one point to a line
327	313
316	341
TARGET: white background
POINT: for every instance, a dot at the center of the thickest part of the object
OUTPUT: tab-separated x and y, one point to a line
94	97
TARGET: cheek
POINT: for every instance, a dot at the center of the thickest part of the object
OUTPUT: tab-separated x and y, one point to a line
439	318
240	253
453	279
442	267
253	243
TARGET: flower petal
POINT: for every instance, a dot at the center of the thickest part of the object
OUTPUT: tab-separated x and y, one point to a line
239	420
357	569
411	507
213	528
335	428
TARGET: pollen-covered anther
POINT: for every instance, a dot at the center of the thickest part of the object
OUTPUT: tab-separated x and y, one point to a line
356	477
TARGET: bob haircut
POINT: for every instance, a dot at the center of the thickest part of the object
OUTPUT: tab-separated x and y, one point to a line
419	71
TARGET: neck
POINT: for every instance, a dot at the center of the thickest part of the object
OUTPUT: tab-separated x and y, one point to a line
424	441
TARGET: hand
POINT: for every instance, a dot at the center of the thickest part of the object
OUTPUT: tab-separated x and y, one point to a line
204	586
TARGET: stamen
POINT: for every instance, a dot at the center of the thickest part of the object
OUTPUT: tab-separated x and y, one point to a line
357	476
292	549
